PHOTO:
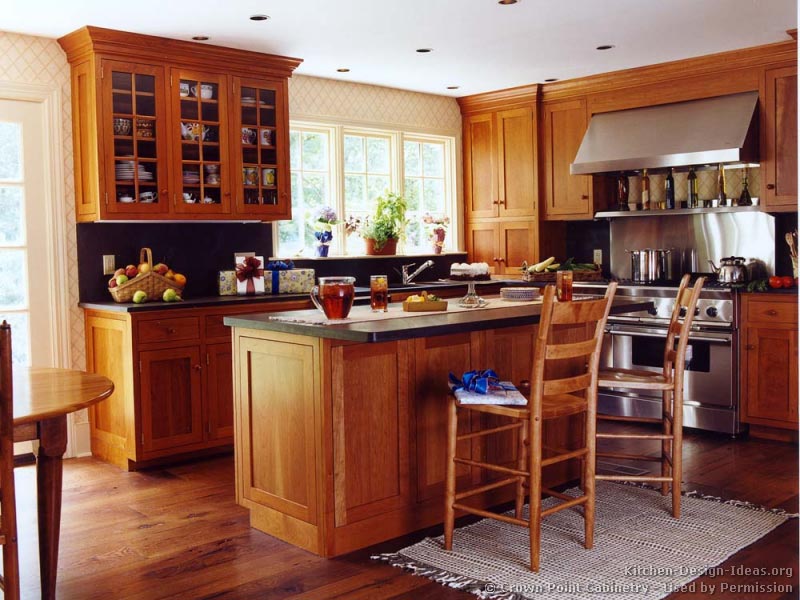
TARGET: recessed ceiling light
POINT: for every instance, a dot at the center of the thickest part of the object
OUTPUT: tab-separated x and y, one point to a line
200	38
342	70
506	2
605	47
259	17
453	87
424	50
551	79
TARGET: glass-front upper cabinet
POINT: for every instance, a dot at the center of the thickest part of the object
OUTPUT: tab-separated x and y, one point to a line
133	129
260	148
202	173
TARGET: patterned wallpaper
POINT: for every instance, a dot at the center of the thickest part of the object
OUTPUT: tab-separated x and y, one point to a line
36	60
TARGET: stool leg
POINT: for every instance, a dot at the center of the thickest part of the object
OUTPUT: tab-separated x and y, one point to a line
677	451
666	445
450	477
535	489
522	461
588	476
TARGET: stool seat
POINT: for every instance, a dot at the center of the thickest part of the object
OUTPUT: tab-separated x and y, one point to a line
558	405
634	379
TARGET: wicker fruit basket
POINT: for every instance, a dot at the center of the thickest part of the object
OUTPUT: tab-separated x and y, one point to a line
151	283
577	275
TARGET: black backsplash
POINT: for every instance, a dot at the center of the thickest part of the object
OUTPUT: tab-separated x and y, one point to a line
199	250
583	237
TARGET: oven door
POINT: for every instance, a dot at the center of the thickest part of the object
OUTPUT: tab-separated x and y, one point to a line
709	360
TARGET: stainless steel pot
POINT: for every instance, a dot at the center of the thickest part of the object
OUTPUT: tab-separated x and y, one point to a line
649	265
730	270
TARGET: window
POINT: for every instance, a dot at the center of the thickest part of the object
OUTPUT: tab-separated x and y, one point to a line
372	161
310	164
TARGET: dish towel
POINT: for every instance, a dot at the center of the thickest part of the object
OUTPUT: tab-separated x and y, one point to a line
485	387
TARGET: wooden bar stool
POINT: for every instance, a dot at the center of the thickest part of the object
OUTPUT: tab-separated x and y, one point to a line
568	386
8	502
670	382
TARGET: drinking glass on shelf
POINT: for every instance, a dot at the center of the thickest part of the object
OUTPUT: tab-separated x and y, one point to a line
564	286
379	293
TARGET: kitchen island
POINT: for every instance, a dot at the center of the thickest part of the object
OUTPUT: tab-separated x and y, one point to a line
340	428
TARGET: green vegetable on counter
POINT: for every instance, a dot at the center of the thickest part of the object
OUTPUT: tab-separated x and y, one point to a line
758	285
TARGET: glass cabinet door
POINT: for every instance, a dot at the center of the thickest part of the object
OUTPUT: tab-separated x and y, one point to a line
133	127
260	173
202	177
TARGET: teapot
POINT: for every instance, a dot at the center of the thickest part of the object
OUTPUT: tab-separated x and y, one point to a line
731	270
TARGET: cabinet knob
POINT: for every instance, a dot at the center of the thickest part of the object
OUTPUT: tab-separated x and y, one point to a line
495	259
501	259
770	186
171	330
750	347
495	201
584	197
772	312
197	367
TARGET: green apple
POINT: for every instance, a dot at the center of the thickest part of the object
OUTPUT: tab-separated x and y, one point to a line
170	295
139	296
121	279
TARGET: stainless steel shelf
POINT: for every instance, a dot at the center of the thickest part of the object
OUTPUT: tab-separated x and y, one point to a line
614	214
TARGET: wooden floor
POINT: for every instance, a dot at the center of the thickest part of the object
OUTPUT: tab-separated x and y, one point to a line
177	533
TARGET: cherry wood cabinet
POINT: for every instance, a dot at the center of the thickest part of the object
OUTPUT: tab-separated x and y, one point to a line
769	358
779	139
173	383
165	129
503	244
565	196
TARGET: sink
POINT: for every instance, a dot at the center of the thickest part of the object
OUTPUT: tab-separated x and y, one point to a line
416	284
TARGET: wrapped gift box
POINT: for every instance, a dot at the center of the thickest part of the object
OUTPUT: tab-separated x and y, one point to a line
288	281
249	275
227	283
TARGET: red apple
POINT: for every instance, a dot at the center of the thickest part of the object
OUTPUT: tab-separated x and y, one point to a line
131	271
161	269
112	283
120	271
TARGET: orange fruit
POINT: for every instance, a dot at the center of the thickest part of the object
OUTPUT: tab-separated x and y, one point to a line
180	279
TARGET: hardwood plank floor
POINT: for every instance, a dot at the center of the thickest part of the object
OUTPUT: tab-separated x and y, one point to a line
177	533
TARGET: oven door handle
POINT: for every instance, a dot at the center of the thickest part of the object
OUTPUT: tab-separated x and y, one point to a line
661	334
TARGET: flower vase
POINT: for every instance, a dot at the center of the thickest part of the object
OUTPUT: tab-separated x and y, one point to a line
321	250
438	239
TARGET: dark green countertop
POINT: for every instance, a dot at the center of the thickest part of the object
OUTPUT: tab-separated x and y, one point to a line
432	324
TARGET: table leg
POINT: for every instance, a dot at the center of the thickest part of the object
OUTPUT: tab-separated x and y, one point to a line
49	469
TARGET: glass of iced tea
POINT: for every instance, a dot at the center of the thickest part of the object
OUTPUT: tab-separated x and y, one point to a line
334	296
379	293
564	286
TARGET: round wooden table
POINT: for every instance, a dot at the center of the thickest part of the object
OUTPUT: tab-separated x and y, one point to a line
42	400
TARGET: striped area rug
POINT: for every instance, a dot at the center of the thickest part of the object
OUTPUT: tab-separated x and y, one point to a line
640	552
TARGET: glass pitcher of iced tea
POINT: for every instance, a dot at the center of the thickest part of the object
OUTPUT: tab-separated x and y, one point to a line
334	296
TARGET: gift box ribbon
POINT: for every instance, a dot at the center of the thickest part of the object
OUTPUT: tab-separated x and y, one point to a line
481	382
247	270
275	267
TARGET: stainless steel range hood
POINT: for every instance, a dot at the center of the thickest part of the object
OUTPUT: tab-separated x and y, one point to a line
714	130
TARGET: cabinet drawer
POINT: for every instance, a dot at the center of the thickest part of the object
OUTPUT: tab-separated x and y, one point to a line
214	327
183	328
765	311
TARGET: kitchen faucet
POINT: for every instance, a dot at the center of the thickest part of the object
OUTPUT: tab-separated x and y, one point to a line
407	278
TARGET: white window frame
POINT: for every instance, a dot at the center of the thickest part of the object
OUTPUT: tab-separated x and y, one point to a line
337	131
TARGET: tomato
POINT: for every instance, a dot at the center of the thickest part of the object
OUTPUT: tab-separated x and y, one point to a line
775	282
787	281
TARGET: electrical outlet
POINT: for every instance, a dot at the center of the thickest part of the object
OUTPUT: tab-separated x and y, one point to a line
598	256
109	264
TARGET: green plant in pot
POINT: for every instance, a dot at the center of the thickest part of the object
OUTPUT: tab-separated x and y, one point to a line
382	231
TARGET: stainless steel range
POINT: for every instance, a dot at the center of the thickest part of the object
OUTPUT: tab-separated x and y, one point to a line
636	341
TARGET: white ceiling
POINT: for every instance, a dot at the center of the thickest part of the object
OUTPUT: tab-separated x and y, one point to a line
478	45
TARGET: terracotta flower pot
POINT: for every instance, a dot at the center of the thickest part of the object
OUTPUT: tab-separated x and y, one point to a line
389	248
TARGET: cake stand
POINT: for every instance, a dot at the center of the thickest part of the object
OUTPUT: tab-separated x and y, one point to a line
471	300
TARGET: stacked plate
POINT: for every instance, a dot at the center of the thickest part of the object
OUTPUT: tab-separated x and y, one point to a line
144	174
519	294
191	177
125	170
248	100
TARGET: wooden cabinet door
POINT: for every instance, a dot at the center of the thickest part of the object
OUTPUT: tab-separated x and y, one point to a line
779	151
482	244
516	151
133	127
480	167
566	196
370	397
200	136
771	378
434	358
517	244
170	396
260	149
218	390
